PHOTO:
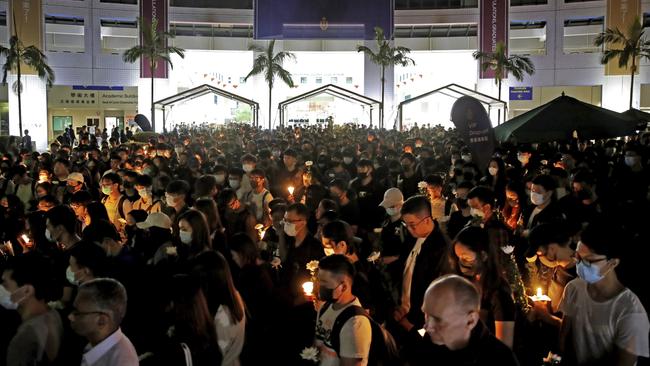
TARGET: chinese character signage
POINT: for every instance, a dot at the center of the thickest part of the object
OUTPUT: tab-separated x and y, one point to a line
26	21
620	14
493	28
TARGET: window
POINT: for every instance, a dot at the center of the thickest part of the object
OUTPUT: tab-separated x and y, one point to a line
59	123
132	2
579	34
118	35
527	37
4	37
348	80
434	4
436	30
527	2
215	4
303	80
334	80
64	34
319	80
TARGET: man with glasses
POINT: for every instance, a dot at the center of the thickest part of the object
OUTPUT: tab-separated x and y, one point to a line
98	311
604	322
424	264
455	333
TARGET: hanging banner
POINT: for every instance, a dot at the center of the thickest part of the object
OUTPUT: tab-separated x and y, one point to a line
475	128
26	21
493	28
620	14
151	10
322	19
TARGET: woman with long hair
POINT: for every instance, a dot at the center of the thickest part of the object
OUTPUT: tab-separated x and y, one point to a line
478	261
217	232
194	232
495	178
224	302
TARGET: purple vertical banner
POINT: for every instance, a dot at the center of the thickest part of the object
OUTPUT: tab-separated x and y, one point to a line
150	10
493	28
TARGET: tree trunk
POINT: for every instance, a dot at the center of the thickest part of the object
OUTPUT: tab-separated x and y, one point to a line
632	80
381	109
152	69
499	111
20	104
270	102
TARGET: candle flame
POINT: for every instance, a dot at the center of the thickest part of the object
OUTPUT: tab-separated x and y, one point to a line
290	189
25	238
539	292
308	288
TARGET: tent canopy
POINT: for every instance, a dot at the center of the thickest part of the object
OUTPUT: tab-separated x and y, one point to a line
202	90
335	91
641	116
454	91
557	119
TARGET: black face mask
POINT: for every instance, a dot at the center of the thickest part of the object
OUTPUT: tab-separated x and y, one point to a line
327	294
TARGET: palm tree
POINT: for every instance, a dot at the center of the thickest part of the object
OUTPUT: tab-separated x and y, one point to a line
385	56
502	64
271	65
634	45
154	49
16	56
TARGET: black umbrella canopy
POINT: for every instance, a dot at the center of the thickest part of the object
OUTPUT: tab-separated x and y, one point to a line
641	116
559	118
143	122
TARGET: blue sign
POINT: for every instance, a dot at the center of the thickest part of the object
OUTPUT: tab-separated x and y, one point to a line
322	19
521	93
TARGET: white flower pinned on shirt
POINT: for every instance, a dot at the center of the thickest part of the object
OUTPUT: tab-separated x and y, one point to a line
310	354
374	256
309	163
171	251
276	263
422	185
552	359
508	249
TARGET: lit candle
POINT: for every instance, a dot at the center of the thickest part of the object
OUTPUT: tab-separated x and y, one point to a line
308	288
25	238
539	296
290	189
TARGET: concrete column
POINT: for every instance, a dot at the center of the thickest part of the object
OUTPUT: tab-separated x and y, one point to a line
34	109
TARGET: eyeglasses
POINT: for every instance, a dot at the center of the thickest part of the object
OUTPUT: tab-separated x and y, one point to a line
77	313
413	226
291	221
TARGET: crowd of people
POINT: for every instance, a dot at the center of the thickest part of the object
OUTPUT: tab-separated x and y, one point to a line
338	245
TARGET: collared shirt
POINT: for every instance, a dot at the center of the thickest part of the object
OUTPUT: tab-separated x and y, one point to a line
115	350
408	276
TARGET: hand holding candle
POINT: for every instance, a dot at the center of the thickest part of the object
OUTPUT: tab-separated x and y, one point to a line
539	296
308	288
291	189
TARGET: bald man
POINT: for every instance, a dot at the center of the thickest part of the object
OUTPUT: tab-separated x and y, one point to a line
455	333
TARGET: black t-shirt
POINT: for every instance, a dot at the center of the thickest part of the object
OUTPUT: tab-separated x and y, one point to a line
497	305
295	266
350	213
369	197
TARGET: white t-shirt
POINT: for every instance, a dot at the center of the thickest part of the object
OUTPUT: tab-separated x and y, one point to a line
599	328
230	336
354	338
258	202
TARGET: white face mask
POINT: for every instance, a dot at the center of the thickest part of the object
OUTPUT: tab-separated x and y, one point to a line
630	160
48	235
234	184
144	192
466	158
5	299
493	171
220	178
185	236
290	229
171	201
347	160
247	168
392	211
328	251
69	275
536	198
477	212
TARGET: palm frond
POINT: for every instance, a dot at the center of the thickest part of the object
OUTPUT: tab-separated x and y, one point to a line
284	75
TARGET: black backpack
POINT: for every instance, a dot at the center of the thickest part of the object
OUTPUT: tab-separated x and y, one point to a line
383	349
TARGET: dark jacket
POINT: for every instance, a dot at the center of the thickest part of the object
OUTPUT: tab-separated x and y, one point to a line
431	263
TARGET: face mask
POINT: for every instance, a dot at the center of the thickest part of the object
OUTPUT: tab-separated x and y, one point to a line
48	236
185	236
106	190
630	160
589	273
477	212
362	175
391	211
5	299
148	171
69	274
493	171
144	192
171	201
347	160
327	294
277	153
536	198
247	168
328	251
234	184
467	158
290	229
220	178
